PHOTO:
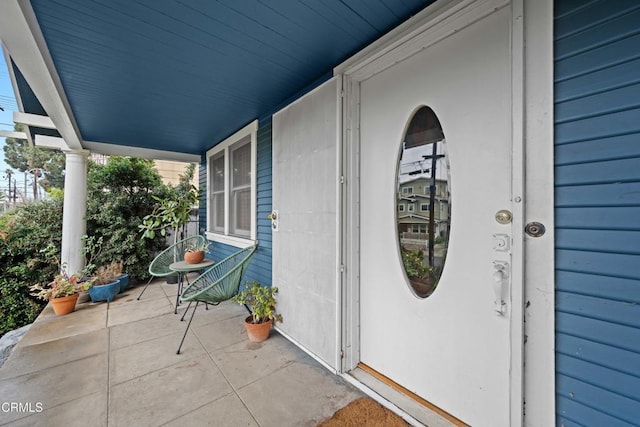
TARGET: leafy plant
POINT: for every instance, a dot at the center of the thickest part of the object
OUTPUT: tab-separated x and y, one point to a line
414	266
261	300
170	214
197	246
62	285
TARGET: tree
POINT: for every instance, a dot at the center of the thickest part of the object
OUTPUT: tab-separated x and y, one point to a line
46	166
120	194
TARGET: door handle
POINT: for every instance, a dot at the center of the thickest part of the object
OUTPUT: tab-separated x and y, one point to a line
500	280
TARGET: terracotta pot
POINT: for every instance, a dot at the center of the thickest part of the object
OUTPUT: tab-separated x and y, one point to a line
64	305
193	257
257	332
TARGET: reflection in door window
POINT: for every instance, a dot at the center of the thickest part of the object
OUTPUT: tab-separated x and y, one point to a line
423	235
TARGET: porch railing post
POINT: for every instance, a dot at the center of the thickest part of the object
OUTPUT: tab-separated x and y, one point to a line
74	224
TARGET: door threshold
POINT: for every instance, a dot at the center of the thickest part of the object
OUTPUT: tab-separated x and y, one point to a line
411	404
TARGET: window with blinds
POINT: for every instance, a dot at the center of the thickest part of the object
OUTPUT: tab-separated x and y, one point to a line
231	198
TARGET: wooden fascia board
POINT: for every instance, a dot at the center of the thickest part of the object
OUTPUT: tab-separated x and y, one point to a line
35	120
21	34
148	153
13	134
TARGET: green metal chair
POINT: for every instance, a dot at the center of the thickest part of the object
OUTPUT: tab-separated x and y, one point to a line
219	283
159	267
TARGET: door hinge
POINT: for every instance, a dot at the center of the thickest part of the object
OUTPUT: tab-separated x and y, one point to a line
341	268
341	179
341	354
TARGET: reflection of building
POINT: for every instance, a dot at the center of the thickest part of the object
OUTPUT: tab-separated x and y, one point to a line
413	211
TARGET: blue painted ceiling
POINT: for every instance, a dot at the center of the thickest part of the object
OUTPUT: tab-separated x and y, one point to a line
182	75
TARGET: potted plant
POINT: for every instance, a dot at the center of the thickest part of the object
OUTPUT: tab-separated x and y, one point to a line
92	250
261	301
105	283
195	252
123	279
62	292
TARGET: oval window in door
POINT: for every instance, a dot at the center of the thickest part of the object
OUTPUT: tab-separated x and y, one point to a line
423	201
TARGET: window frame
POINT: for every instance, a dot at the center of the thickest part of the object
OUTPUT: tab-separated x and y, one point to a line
225	147
407	190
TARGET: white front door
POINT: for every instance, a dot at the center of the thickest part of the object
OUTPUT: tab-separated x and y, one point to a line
451	348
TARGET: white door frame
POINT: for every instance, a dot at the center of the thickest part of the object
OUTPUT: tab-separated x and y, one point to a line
532	71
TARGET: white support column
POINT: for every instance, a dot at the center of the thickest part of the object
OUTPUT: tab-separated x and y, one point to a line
74	225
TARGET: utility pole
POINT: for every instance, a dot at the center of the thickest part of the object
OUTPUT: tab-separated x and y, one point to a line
9	178
432	199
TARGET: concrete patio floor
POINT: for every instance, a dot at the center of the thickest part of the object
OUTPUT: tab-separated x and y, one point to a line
116	365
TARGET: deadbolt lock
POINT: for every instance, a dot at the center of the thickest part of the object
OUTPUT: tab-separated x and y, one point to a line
503	216
534	229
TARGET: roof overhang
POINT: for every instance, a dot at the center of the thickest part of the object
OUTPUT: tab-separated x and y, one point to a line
168	77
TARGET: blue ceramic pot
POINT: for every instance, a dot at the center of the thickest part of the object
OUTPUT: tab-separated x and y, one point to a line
124	281
104	292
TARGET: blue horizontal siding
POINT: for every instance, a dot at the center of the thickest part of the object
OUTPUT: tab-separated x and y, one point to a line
583	404
615	335
592	105
624	312
608	171
611	241
597	206
610	148
618	123
610	78
601	218
580	33
596	59
609	380
596	353
598	195
614	288
600	263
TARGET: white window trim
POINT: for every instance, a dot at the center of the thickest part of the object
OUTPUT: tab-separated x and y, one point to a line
411	208
249	130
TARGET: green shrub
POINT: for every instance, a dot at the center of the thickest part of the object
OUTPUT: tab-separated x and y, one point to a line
30	238
414	264
17	308
120	194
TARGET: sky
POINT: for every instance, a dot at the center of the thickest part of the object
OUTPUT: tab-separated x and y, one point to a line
8	102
